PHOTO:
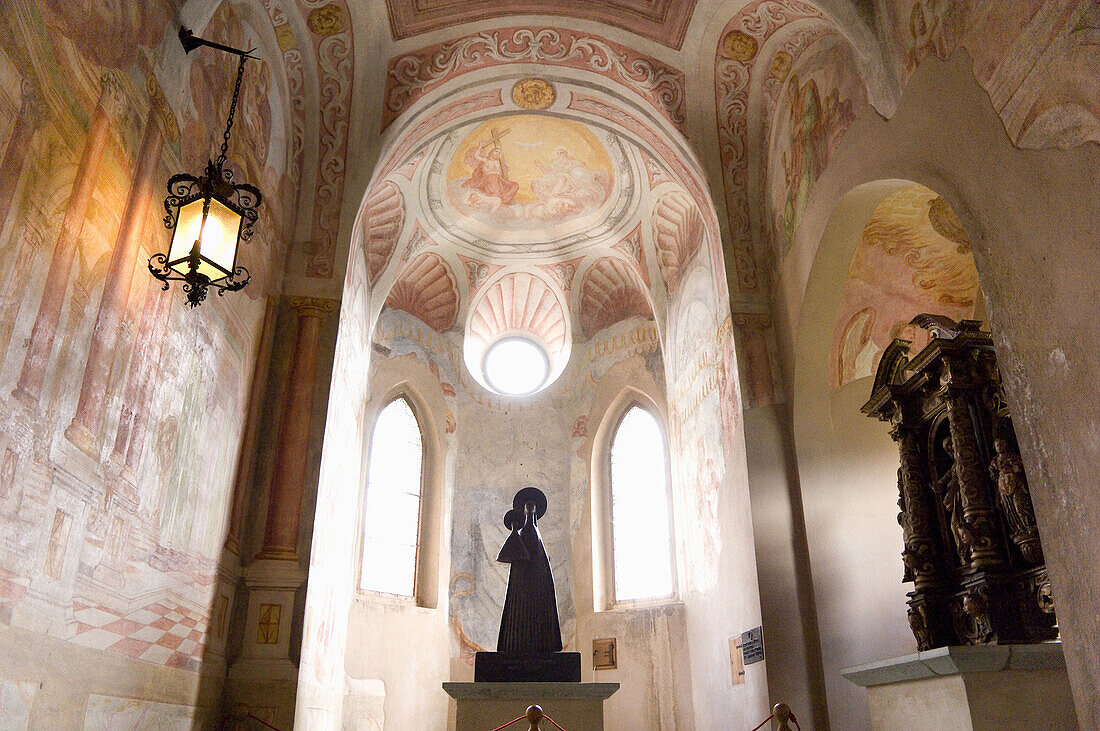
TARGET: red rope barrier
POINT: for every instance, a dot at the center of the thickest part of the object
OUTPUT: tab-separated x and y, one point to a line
265	723
763	722
514	720
559	728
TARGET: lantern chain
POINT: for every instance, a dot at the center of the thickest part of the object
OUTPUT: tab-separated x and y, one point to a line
232	112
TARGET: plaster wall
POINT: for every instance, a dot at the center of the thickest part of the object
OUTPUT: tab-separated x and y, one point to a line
787	598
1032	222
322	681
848	474
396	655
653	651
714	531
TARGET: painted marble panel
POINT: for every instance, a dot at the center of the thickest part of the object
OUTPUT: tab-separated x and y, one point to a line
16	700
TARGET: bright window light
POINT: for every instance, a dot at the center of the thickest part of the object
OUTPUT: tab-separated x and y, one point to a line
391	521
640	521
516	366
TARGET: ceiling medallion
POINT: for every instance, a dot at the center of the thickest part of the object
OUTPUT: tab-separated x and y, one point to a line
327	20
739	46
533	94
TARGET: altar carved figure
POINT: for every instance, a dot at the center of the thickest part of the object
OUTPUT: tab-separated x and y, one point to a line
971	544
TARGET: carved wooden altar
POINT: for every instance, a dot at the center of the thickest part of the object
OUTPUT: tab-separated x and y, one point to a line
972	547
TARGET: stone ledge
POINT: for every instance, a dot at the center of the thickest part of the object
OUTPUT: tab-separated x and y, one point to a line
532	692
954	660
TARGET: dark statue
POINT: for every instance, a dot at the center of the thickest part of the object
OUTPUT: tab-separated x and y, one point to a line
971	544
530	619
529	644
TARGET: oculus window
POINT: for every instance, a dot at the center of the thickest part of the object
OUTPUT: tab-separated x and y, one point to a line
641	520
516	366
391	514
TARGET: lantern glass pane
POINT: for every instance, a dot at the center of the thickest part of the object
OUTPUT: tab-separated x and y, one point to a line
187	230
219	240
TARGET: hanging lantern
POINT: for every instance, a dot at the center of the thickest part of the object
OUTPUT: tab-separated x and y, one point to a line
209	215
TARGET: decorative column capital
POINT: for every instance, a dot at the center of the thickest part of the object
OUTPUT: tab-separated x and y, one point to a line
160	109
112	97
312	306
751	320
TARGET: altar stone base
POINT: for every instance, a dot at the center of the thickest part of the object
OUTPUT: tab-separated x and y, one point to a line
978	688
574	706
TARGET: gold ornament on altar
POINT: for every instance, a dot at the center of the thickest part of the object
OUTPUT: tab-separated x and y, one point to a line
533	94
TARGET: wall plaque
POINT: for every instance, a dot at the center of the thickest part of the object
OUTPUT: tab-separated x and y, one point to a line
604	656
752	645
737	664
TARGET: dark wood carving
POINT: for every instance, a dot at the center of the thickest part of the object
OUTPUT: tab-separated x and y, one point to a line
971	545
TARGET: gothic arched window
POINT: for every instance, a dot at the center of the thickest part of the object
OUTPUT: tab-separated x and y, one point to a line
391	514
641	519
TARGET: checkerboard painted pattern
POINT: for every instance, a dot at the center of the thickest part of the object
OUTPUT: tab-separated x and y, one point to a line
173	636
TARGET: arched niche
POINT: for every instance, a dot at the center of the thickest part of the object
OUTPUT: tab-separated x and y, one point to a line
652	263
847	462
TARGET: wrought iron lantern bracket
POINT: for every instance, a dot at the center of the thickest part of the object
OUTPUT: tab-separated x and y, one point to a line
215	184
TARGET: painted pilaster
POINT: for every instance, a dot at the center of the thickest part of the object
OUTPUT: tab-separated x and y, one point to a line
26	124
292	444
29	388
85	425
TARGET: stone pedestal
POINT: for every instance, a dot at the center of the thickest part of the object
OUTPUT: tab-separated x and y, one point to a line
973	688
574	706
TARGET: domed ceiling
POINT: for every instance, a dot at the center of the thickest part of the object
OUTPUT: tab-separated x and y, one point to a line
533	207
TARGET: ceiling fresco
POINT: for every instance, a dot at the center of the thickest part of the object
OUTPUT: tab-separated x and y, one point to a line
664	21
412	76
1034	59
529	176
529	186
913	257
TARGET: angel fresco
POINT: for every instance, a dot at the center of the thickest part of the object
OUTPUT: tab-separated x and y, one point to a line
799	167
814	125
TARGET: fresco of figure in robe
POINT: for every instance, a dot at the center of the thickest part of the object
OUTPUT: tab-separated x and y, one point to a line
511	172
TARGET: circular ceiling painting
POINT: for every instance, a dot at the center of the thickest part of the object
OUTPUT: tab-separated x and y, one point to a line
529	174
